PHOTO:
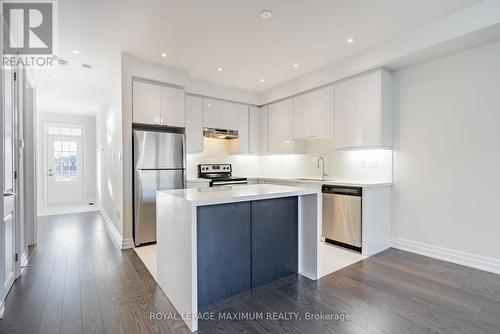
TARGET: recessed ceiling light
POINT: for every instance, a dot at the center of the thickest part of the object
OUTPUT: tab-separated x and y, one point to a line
164	55
75	51
55	75
219	69
58	90
350	40
295	65
266	14
262	80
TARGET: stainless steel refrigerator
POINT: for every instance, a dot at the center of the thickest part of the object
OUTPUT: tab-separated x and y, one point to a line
159	164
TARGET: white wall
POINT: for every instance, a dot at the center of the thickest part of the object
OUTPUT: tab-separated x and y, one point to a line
467	27
109	154
89	156
352	165
447	153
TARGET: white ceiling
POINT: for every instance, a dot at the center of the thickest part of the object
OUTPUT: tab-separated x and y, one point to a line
200	36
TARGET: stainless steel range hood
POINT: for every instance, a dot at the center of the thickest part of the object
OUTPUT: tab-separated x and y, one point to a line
220	133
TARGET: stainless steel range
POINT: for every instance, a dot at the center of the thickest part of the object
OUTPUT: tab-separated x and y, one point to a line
219	175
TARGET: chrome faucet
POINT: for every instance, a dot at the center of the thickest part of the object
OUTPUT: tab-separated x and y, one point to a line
323	174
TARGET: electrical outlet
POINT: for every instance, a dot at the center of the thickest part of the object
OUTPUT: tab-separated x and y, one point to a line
373	164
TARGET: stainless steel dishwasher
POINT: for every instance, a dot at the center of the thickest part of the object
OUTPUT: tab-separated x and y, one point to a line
342	216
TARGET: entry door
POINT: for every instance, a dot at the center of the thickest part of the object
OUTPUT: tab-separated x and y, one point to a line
9	191
64	166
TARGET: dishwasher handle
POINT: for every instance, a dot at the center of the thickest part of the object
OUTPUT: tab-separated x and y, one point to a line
342	190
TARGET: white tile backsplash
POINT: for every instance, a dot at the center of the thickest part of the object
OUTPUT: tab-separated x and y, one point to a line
353	165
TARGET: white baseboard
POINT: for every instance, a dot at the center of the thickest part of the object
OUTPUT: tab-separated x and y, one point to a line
122	243
446	254
127	243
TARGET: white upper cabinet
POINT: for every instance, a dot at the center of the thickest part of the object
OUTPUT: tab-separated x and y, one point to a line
194	124
254	130
212	110
345	108
264	130
157	104
220	114
146	103
229	116
243	129
281	128
314	114
363	112
368	110
302	113
322	107
173	107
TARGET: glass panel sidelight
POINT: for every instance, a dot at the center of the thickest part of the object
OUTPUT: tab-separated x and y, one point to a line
65	161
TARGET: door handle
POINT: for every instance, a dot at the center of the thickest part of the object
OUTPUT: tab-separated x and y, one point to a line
8	193
50	174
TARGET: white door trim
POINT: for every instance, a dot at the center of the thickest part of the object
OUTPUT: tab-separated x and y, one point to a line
45	126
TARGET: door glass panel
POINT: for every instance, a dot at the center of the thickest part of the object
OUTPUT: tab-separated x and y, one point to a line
53	130
76	132
64	131
65	161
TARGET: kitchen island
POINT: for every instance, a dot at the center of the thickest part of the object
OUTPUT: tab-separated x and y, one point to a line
217	242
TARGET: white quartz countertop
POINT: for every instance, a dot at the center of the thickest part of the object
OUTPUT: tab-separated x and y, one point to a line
318	180
311	180
230	194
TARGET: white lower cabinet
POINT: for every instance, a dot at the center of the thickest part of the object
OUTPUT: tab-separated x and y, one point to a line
194	124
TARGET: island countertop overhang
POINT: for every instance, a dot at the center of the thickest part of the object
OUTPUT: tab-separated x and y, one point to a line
231	194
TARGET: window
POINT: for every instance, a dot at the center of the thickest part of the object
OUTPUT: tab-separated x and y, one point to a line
65	161
64	131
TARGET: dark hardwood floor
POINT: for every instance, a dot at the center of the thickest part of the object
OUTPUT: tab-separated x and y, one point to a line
80	282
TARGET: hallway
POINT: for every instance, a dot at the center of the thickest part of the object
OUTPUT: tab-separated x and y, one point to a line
79	281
